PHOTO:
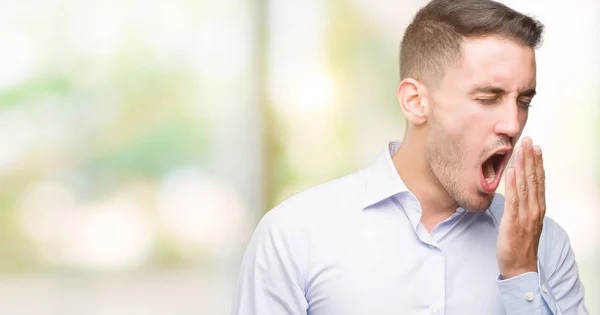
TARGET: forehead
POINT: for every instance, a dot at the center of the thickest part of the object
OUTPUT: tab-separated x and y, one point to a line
495	61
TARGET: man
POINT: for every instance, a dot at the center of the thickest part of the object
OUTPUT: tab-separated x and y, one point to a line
421	231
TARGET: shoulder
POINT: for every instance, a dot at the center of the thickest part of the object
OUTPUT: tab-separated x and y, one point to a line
290	226
321	202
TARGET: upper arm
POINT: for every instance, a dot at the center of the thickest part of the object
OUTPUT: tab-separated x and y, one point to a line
271	277
561	270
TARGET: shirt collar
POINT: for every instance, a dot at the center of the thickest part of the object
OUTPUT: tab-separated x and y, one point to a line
382	180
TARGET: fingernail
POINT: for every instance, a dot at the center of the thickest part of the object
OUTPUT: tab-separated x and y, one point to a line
520	153
528	142
537	150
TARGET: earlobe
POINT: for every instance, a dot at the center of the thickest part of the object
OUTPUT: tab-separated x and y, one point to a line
410	94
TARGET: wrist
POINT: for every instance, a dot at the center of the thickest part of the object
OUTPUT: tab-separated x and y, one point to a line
508	273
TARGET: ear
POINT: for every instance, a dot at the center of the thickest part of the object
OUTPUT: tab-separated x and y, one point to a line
412	100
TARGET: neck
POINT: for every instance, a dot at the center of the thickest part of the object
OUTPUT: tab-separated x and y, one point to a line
411	164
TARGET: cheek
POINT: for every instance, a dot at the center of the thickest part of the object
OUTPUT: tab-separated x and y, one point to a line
466	121
523	118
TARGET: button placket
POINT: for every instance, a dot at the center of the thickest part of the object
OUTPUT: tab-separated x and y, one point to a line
438	262
432	309
529	296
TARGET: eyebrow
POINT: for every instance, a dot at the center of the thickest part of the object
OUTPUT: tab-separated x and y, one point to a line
489	90
498	90
528	93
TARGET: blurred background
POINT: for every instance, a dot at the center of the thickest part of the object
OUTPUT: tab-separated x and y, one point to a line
141	141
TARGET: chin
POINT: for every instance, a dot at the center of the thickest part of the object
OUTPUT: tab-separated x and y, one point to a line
478	203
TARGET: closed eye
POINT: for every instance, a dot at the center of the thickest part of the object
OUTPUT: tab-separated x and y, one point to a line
488	101
524	103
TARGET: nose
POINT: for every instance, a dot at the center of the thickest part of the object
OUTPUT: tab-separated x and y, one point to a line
510	124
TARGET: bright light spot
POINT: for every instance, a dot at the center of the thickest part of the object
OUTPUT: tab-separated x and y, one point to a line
18	60
111	235
45	211
313	94
303	93
201	212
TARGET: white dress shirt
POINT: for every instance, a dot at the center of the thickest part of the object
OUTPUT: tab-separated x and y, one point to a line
355	245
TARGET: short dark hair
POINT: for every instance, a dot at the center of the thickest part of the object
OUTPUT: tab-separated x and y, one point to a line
431	43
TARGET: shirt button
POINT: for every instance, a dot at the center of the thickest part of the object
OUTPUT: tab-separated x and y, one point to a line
544	289
431	246
529	296
432	309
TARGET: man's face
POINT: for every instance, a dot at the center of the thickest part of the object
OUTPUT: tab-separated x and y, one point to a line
477	114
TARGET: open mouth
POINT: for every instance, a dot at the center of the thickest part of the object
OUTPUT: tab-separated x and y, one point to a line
492	168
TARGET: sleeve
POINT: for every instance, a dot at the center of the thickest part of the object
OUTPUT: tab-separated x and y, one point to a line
271	276
555	291
522	295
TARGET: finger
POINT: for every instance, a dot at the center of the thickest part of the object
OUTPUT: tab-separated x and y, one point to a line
541	179
521	183
530	168
511	199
